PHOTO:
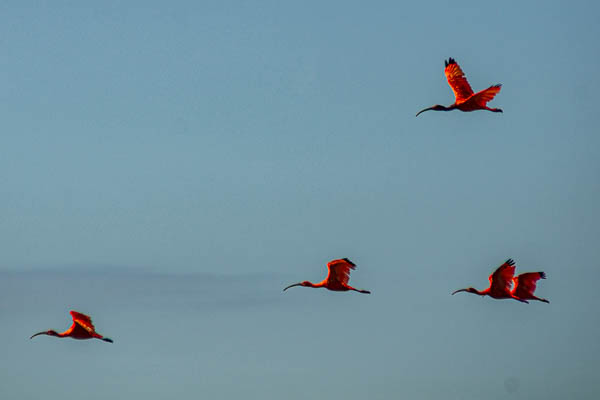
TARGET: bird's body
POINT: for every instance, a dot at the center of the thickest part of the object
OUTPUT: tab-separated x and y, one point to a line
81	329
337	278
525	285
500	283
466	100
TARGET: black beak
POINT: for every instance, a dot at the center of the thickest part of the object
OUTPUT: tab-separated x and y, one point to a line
295	284
39	333
423	110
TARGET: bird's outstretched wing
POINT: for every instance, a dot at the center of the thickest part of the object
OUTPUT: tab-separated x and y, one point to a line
502	278
525	284
83	320
457	81
339	270
481	98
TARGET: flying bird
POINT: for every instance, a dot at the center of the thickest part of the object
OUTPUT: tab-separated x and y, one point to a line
500	283
466	100
337	278
82	328
525	285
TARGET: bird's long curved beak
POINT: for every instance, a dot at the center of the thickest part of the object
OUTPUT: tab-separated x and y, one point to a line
39	333
423	110
295	284
459	290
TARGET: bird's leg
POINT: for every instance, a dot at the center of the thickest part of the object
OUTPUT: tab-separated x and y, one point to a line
359	290
493	109
540	299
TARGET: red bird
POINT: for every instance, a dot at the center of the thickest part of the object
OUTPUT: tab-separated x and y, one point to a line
525	286
337	278
500	283
465	99
82	328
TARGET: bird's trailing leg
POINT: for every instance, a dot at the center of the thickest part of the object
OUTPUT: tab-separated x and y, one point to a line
359	290
540	299
521	300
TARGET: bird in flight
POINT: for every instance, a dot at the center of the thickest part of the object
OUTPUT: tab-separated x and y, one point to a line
82	328
337	278
501	282
466	100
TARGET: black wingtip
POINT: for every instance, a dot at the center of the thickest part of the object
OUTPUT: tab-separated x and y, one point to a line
348	261
107	340
510	262
450	61
542	274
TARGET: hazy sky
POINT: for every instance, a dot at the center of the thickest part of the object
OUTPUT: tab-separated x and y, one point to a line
168	169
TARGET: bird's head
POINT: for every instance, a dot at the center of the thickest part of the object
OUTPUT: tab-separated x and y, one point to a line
469	290
303	283
49	333
437	107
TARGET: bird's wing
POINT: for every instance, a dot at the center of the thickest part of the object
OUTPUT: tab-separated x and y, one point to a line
457	81
82	320
339	270
525	284
502	278
481	98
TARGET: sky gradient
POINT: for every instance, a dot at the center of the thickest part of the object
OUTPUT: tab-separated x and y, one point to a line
168	169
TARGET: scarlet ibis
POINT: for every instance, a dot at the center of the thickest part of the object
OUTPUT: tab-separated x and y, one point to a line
525	285
82	328
500	283
337	278
465	99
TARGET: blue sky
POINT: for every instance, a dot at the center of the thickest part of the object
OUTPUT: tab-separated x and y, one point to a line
168	169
